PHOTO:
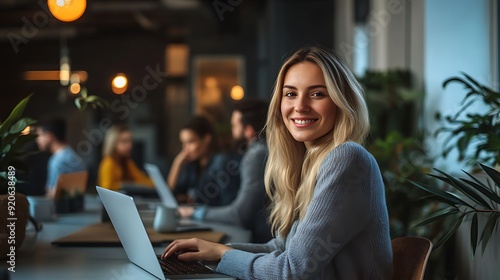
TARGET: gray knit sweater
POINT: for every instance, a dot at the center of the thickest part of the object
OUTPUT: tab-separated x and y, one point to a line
248	209
344	234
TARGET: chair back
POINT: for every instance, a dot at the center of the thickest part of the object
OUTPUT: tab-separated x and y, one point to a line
71	183
410	256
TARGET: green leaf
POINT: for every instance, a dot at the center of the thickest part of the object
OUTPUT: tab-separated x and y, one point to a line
437	199
6	149
441	178
464	107
456	79
20	125
462	143
91	98
450	232
492	173
84	93
78	102
488	230
15	115
473	234
451	198
474	82
475	179
485	191
444	197
465	190
438	215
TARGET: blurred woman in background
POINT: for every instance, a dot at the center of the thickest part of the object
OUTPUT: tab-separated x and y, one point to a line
200	173
117	167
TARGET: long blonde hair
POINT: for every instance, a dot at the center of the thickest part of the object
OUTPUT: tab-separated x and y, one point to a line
292	169
111	139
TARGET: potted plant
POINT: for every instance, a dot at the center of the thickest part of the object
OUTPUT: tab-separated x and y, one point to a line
14	206
466	198
479	130
401	159
392	100
83	101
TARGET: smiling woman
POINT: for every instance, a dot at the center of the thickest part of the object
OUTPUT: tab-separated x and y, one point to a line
307	110
327	196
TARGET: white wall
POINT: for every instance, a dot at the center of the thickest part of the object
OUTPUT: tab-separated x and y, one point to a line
435	39
456	39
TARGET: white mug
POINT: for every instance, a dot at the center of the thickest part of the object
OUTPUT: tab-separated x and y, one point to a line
165	219
42	208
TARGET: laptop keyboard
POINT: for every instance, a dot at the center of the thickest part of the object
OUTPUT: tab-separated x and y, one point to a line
174	266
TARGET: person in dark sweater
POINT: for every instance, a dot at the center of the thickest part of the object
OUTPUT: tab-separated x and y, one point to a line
195	174
327	196
248	210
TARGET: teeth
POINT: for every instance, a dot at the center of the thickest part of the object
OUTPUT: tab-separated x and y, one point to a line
303	121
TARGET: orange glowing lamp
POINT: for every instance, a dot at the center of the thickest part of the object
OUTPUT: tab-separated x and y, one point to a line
67	10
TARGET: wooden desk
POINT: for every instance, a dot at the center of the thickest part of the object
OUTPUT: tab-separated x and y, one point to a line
38	259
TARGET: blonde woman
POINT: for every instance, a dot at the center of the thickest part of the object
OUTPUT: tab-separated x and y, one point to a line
328	207
117	166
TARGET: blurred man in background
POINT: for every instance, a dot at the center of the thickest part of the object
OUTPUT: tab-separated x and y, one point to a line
248	210
52	138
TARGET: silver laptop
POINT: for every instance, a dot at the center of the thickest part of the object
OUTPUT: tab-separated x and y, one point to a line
164	192
134	238
168	199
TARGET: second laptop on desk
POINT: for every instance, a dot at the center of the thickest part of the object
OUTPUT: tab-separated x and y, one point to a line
161	186
168	199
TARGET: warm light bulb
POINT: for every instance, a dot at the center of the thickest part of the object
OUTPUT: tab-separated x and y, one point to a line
237	93
64	74
119	83
75	88
67	10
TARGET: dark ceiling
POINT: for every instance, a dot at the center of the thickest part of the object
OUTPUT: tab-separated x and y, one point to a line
104	16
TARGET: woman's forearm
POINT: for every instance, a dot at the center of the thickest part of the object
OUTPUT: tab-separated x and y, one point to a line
173	175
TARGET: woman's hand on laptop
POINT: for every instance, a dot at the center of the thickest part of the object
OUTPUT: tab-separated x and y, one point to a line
195	249
185	211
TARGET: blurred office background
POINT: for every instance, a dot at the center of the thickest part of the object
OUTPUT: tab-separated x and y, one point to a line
215	52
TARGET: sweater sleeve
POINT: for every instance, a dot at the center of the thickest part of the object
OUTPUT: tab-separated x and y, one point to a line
109	176
338	211
250	196
275	244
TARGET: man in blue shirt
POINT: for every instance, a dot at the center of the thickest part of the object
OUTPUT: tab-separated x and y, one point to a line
52	138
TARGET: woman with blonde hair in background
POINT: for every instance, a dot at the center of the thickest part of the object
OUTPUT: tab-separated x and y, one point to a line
117	167
328	206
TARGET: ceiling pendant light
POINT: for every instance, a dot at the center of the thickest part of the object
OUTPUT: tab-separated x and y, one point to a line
67	10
